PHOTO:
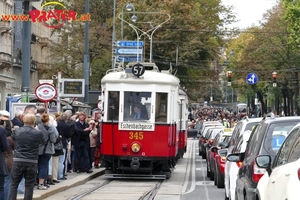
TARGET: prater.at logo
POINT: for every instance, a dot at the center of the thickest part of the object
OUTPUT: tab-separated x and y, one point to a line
54	14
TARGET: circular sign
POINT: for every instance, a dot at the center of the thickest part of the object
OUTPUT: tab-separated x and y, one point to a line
45	92
251	78
138	70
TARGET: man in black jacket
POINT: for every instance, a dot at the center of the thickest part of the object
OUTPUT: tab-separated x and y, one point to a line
82	144
65	132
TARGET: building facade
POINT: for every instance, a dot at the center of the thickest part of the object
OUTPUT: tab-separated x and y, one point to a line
11	49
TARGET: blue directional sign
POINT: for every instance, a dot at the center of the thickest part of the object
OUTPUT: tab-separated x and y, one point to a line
129	58
129	51
130	43
251	78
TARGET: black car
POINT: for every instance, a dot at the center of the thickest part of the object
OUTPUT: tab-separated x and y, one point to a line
265	139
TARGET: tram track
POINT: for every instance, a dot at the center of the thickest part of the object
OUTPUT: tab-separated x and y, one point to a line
86	193
121	189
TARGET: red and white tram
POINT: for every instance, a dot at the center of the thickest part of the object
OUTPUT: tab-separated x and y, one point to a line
144	125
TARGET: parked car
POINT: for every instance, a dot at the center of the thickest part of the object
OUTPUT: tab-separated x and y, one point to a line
194	132
215	142
234	167
283	175
242	126
203	140
219	167
265	139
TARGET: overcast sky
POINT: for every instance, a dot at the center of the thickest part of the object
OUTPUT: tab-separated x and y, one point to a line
249	12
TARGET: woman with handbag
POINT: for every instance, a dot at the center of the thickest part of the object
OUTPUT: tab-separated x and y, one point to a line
45	152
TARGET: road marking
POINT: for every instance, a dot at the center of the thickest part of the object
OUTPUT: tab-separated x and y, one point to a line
191	168
204	183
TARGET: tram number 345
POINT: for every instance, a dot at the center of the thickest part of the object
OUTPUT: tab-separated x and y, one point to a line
136	135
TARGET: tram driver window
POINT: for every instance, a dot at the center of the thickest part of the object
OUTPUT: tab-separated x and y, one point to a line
161	107
137	105
113	105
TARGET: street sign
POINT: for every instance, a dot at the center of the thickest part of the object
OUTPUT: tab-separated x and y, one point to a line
129	58
41	81
130	43
251	78
129	51
45	92
72	87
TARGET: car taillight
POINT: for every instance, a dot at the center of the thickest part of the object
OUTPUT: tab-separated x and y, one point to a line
223	159
299	174
257	172
239	164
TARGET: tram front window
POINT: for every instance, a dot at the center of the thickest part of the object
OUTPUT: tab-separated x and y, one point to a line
137	105
113	105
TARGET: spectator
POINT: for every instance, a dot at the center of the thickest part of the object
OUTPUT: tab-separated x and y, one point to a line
8	125
27	141
3	148
64	132
8	162
93	135
39	112
17	120
97	153
45	152
82	144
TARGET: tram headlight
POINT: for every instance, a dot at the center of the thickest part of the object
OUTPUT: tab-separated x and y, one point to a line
135	147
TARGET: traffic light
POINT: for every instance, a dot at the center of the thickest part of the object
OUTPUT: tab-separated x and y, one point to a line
229	74
274	74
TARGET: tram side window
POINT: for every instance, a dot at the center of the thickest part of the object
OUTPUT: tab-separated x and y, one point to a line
161	107
137	105
113	105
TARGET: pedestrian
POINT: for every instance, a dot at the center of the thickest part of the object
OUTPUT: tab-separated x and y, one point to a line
3	148
17	120
46	151
82	144
97	152
27	141
39	112
64	131
93	136
8	154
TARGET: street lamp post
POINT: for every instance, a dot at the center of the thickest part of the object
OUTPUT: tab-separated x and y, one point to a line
129	7
149	32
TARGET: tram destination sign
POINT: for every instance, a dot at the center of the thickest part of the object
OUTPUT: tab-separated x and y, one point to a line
72	87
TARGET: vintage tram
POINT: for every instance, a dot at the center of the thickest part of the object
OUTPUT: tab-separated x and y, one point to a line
144	124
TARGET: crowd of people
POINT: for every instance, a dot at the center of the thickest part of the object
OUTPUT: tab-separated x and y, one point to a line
199	114
39	149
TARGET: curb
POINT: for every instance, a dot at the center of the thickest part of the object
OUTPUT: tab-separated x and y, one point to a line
67	184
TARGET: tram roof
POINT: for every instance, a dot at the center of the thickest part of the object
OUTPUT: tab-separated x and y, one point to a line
151	76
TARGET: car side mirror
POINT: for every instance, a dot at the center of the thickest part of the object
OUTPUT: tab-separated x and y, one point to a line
214	149
222	144
235	157
264	161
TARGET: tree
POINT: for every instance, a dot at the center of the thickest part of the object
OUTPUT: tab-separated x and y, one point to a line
292	17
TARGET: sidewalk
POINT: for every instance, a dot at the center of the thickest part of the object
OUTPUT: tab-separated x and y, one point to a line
73	179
